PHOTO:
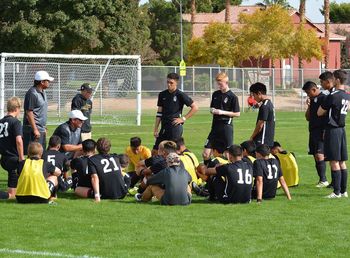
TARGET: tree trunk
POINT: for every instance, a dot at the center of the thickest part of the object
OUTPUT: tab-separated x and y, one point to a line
302	22
193	14
326	33
227	11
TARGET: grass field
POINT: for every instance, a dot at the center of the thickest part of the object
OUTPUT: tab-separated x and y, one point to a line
307	226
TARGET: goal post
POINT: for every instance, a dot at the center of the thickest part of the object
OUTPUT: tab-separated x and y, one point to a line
116	80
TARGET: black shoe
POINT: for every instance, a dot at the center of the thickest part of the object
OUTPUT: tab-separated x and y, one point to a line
196	188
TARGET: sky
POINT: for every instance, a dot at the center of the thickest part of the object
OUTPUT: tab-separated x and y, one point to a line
312	7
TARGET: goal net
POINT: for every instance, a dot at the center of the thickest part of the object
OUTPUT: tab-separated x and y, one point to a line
116	80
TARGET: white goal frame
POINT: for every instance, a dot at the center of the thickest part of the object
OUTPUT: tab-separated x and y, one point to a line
136	58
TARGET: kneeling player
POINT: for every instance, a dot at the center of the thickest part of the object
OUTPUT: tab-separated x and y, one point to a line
81	179
233	180
37	179
267	173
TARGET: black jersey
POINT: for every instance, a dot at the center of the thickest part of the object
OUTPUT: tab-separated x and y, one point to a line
108	169
270	170
10	128
56	158
316	121
238	181
337	104
266	114
156	163
85	106
172	104
81	166
227	101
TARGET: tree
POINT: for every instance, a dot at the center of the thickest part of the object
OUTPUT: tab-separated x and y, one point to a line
215	47
227	11
338	13
71	26
165	31
207	6
193	13
265	34
302	22
283	3
326	32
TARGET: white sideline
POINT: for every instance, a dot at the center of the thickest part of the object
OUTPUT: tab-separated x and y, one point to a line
36	253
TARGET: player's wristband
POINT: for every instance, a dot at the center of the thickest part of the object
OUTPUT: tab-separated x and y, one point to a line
183	118
159	114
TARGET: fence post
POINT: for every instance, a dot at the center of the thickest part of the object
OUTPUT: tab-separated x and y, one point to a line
2	86
211	82
243	90
193	77
301	90
101	98
273	87
59	91
139	92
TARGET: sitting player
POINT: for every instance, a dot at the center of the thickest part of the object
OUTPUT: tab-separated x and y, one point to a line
288	164
81	179
233	182
58	159
37	179
135	152
106	173
190	163
219	159
248	148
176	184
267	173
154	164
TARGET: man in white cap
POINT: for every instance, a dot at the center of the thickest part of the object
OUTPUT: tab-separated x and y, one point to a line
82	101
70	133
35	111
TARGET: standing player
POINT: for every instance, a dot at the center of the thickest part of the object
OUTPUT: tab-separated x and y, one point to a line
106	173
336	104
264	131
82	101
11	145
267	173
35	111
169	114
316	130
238	175
224	106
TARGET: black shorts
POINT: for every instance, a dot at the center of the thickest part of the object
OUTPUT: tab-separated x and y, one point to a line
335	148
168	132
316	142
10	163
31	199
222	133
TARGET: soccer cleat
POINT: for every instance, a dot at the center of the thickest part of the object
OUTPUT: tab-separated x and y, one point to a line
138	197
196	188
322	184
333	196
133	191
345	194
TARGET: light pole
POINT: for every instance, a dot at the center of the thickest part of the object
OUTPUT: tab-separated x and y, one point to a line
181	44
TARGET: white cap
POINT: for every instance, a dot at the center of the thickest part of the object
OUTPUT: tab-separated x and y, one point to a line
77	114
43	76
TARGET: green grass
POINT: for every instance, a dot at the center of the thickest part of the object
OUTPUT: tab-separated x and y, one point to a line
308	225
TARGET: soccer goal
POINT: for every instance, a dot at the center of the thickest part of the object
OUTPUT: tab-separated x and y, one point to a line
115	78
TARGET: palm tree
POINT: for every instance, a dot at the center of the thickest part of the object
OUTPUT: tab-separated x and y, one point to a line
227	11
193	13
326	32
302	22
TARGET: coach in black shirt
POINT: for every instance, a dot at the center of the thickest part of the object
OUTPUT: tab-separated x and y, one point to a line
11	145
82	102
169	114
69	132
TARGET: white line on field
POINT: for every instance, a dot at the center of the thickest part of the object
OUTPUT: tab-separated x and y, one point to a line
36	253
